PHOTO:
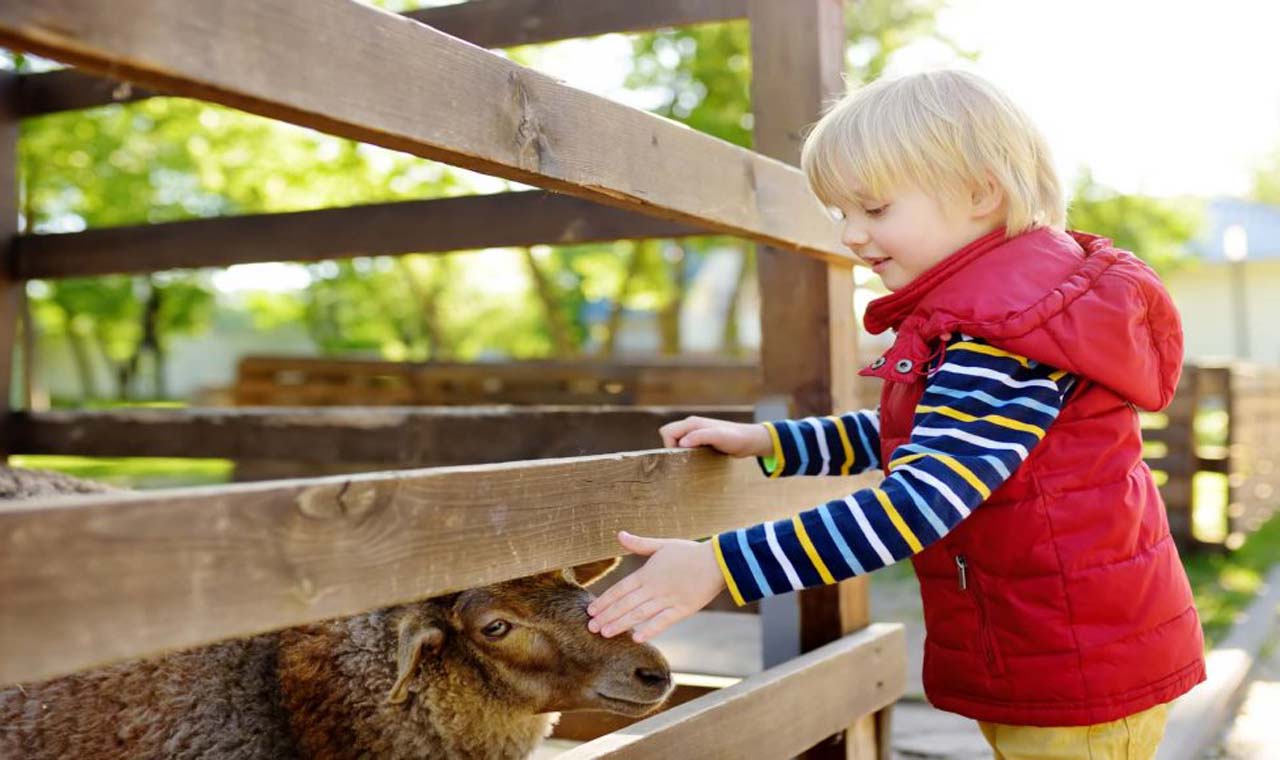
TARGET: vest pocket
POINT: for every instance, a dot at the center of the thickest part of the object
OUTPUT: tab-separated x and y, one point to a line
971	585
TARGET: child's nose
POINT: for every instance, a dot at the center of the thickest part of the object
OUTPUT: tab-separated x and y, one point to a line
854	236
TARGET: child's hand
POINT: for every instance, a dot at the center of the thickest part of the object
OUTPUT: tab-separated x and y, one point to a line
737	439
679	578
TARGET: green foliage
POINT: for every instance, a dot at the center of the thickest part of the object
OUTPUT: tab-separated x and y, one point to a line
1155	229
166	159
703	73
1225	583
1266	180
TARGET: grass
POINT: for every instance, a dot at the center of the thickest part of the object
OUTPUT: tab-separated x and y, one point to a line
1225	583
134	472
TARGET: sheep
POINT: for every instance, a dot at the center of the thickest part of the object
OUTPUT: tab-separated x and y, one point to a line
476	674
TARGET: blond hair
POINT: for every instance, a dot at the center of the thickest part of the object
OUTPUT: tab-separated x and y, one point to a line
941	131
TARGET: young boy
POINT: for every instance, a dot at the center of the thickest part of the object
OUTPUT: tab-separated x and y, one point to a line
1057	612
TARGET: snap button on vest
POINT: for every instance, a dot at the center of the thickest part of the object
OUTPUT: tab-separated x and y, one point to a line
903	365
878	363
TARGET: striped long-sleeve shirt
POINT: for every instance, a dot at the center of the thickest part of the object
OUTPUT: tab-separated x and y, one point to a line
982	412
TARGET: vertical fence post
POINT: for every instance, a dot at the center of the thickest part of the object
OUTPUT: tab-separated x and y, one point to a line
808	336
10	286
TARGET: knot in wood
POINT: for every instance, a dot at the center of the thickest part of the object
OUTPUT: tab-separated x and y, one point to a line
530	142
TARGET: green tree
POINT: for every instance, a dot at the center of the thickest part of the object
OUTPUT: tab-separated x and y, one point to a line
1266	180
701	76
1158	230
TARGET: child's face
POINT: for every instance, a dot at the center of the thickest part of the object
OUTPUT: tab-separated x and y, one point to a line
903	235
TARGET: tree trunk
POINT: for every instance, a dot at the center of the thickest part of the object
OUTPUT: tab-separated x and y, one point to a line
640	250
564	345
83	362
150	342
730	341
669	317
428	298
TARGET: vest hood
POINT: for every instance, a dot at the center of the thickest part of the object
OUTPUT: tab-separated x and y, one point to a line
1070	300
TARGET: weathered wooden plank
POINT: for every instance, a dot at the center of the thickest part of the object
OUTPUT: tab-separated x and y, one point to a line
507	23
314	381
809	339
775	714
487	23
388	436
409	87
70	90
89	580
10	287
426	226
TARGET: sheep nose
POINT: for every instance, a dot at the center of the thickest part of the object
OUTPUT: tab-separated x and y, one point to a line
653	677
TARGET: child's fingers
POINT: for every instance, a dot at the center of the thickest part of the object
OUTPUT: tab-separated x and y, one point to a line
656	625
613	594
706	436
643	612
609	614
673	431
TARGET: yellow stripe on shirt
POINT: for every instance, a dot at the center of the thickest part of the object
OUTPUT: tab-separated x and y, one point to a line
955	466
724	570
994	419
982	348
844	441
777	450
812	551
897	521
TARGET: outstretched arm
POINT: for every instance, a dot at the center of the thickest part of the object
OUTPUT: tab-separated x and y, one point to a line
982	413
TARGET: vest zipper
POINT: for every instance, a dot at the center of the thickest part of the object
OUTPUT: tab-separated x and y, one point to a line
984	625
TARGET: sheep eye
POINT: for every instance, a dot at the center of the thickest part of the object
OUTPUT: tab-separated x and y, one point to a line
497	629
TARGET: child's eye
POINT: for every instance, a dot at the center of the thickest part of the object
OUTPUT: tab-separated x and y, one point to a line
877	211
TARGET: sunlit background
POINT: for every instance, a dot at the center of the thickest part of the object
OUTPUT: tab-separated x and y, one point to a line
1163	117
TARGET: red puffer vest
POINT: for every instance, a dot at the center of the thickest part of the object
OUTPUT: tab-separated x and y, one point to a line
1060	601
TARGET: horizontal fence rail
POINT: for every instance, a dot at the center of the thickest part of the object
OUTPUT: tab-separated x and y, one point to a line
776	714
85	581
487	23
423	92
309	381
353	436
425	226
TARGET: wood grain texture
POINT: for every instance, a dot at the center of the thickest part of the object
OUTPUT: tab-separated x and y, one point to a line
487	23
409	87
426	226
777	713
506	23
315	381
386	436
89	580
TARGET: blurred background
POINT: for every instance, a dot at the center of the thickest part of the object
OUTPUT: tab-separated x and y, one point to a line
1164	119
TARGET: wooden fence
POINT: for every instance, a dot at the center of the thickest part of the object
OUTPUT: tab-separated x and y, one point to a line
304	381
1225	422
90	580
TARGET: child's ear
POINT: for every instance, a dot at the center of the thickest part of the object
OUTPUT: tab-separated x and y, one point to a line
987	197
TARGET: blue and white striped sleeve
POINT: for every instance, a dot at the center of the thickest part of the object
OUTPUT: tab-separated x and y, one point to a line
982	412
846	444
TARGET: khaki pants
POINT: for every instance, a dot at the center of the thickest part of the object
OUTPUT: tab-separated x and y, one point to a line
1135	737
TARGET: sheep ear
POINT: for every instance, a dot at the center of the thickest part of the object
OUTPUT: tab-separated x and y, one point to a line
590	572
417	639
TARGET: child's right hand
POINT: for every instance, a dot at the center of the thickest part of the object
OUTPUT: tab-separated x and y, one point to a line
737	439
